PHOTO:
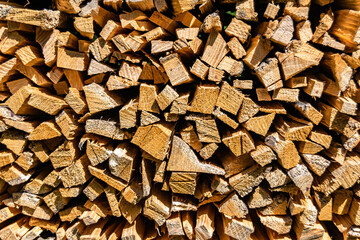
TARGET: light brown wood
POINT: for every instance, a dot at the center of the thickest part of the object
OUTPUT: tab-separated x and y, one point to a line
154	139
215	49
72	60
259	46
239	141
286	151
310	57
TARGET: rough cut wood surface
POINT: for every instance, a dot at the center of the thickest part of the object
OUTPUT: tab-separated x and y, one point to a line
179	119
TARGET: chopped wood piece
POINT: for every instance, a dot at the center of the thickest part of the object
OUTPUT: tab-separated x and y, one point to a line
76	173
302	178
263	155
286	151
199	69
233	206
269	73
147	98
215	75
85	26
215	49
105	176
286	94
211	22
321	137
164	22
72	60
258	50
45	130
301	53
6	157
236	48
239	29
247	179
176	71
183	183
309	147
308	111
284	31
166	97
279	224
7	69
106	128
29	56
190	161
110	30
207	131
134	230
93	189
34	75
271	10
99	99
207	151
76	101
205	228
231	66
341	201
35	17
317	163
303	31
123	161
260	197
157	206
245	10
187	33
248	109
225	118
204	99
68	40
239	141
154	139
277	178
238	228
14	140
292	128
263	94
260	125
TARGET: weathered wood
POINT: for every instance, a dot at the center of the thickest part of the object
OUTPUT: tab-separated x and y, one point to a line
190	161
286	151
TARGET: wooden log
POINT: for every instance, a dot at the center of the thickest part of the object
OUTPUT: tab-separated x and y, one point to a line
154	139
72	60
215	49
284	31
190	161
239	142
302	178
105	176
261	47
246	180
310	57
123	161
286	151
205	225
107	101
205	99
34	17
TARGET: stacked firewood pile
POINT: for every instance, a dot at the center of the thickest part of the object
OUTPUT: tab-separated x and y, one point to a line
181	119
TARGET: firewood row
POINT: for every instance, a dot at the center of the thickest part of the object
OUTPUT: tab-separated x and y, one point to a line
180	119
